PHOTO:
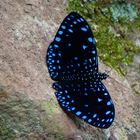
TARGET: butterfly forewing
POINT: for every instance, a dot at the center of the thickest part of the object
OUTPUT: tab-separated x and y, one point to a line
73	50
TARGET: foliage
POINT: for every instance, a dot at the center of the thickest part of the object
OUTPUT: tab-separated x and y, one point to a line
111	29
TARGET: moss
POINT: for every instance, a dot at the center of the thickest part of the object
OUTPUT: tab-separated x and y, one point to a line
114	47
50	110
50	122
19	117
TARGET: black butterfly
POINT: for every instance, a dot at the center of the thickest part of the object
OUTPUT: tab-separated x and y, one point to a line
72	62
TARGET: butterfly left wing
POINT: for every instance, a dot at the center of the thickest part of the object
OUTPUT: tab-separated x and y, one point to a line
89	101
73	51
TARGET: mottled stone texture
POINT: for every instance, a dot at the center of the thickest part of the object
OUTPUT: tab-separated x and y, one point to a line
28	108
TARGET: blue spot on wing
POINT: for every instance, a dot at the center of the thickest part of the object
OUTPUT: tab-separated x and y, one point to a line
63	27
90	39
56	46
60	32
84	117
89	120
95	115
84	29
84	47
70	30
108	112
108	103
78	113
73	108
58	39
93	52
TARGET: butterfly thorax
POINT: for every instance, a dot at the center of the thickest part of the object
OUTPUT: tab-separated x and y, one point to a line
98	76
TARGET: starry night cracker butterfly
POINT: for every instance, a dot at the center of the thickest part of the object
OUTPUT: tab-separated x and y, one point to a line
72	62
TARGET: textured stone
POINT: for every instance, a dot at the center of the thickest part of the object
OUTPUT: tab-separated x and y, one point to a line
28	108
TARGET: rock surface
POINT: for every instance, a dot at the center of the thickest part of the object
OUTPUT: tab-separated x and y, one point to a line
28	108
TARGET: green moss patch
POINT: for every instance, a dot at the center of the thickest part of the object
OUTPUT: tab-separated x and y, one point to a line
19	117
50	121
111	29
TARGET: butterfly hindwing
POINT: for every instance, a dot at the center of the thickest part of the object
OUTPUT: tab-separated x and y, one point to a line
89	101
73	50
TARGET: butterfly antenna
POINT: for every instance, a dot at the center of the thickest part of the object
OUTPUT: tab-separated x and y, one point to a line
108	71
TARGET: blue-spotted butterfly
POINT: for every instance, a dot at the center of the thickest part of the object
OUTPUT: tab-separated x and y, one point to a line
73	65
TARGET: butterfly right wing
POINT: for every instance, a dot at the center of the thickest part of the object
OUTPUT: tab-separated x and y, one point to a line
89	101
73	50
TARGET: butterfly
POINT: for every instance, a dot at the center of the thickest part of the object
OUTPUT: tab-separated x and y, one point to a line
72	63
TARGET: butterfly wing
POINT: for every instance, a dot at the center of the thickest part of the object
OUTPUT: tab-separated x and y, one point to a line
89	101
73	51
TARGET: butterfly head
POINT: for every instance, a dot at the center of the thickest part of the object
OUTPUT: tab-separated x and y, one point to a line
103	76
100	76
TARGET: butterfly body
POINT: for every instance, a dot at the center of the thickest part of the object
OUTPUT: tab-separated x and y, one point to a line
73	63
